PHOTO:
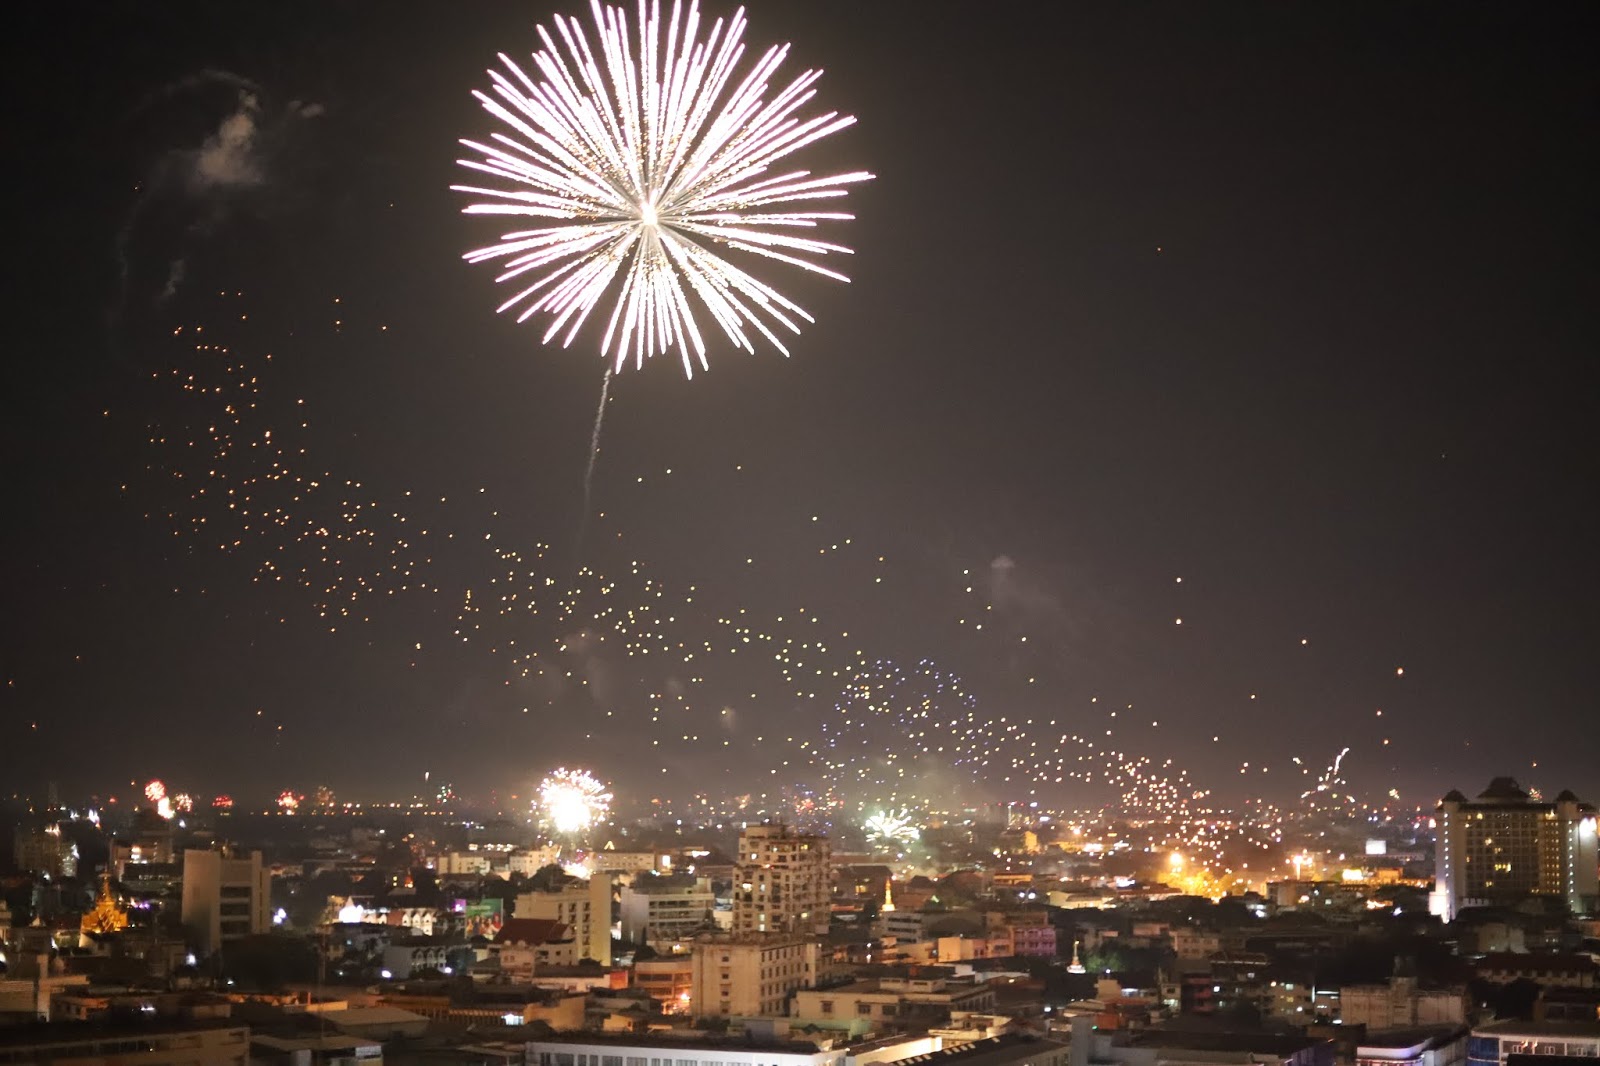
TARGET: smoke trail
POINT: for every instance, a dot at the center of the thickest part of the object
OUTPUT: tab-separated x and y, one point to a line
594	454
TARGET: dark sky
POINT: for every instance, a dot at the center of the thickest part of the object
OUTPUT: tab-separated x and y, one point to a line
1293	302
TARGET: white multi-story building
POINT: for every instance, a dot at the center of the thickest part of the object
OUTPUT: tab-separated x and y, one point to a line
529	861
225	896
752	974
657	910
1506	845
466	863
782	882
632	862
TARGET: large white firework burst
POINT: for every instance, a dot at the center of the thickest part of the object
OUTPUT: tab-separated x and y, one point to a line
573	801
646	158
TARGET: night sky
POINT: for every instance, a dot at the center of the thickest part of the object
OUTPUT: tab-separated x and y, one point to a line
1294	303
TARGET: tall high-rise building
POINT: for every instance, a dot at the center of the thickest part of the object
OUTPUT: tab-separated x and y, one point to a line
583	907
225	896
46	851
782	882
1505	845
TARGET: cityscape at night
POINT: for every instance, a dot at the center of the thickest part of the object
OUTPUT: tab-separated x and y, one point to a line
807	535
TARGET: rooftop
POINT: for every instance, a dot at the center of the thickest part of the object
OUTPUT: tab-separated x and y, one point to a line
1263	1043
673	884
994	1051
1518	1028
1503	788
532	931
698	1039
33	1033
1504	793
1524	962
383	1015
771	939
1420	1036
312	1042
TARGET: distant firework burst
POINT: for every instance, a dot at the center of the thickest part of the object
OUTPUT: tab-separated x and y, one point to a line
892	829
642	160
573	801
156	793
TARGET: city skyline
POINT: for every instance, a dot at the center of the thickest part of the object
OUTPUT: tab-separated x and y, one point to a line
1209	399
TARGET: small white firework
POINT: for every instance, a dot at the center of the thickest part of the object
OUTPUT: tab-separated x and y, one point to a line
892	829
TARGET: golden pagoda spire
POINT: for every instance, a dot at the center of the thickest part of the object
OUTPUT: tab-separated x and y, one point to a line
106	916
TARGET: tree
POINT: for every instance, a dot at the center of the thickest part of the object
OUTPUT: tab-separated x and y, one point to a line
547	879
499	888
1514	1000
425	884
1105	958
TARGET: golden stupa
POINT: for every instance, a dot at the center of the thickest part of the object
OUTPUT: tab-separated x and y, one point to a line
106	916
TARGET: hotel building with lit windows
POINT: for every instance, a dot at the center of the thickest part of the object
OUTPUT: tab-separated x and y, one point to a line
1507	845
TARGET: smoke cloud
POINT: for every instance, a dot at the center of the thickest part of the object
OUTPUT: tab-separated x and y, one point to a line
228	159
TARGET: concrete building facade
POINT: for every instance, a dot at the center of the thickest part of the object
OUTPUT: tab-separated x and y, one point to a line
657	910
782	882
225	896
895	1002
1401	1004
669	981
752	974
584	908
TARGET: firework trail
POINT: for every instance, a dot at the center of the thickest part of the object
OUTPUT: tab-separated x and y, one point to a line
594	455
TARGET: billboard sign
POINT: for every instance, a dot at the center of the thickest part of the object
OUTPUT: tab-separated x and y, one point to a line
485	917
